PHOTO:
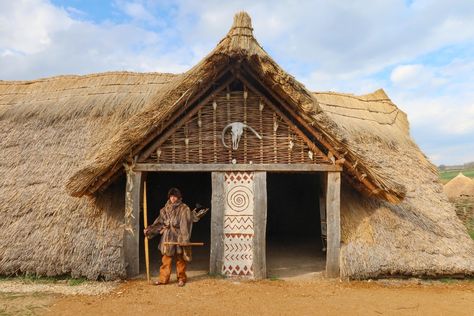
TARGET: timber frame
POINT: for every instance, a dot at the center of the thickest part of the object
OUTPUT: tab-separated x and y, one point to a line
327	163
329	205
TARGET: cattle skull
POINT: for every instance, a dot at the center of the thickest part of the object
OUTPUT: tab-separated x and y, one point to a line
237	129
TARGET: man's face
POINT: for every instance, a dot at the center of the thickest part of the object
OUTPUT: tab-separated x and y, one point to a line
173	199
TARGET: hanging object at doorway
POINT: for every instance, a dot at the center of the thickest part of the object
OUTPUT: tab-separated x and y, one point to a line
237	129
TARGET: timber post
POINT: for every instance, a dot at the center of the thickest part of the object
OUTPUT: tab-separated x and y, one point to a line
217	224
260	224
333	212
132	234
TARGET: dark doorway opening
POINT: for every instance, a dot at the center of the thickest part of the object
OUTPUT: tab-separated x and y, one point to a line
293	232
196	188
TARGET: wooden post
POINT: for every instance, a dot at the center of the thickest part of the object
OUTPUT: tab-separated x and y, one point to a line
217	224
145	238
132	223
333	195
260	224
322	208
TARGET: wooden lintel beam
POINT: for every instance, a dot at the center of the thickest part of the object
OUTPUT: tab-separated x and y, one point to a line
237	167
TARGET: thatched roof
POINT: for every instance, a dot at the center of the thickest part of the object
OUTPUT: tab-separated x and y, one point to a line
239	46
72	129
47	128
459	186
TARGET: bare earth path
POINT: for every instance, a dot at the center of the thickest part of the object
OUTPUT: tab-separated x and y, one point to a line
207	296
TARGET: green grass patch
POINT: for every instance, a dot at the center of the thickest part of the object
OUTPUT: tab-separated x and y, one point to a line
31	278
447	175
448	280
471	233
78	281
274	278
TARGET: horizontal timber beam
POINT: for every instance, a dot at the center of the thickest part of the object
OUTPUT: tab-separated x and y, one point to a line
236	167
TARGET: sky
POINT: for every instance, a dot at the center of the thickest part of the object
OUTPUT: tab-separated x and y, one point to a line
421	52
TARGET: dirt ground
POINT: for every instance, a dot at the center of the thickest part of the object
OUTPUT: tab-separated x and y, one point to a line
296	296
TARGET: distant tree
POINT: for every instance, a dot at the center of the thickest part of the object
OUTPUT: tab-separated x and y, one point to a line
442	167
469	165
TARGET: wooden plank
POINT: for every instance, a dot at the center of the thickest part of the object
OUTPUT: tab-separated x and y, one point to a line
132	223
217	224
322	208
260	224
235	167
333	200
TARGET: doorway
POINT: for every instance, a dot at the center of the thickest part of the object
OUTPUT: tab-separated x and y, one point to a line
293	233
195	188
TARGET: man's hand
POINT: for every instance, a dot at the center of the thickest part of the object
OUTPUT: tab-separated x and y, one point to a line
198	215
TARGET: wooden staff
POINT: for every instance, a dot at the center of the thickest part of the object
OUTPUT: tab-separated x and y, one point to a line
183	244
145	223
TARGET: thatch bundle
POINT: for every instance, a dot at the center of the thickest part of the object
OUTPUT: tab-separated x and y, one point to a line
80	130
459	186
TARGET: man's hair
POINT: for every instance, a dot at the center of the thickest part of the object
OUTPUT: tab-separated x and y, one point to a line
175	192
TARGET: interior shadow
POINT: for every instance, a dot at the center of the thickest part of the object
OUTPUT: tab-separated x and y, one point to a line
293	233
195	188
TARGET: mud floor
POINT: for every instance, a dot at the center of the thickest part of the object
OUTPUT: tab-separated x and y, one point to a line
211	296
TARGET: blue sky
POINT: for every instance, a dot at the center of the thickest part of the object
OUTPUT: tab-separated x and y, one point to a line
421	52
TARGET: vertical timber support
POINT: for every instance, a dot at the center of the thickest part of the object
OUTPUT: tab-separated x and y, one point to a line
260	224
217	223
333	203
131	236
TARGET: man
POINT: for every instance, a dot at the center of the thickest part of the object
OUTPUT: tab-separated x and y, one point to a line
174	225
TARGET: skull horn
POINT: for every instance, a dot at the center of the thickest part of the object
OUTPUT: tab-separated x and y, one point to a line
223	134
254	131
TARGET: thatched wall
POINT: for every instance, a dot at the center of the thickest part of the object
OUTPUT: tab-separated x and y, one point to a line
421	236
47	128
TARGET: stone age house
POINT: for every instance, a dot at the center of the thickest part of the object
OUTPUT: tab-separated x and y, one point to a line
235	132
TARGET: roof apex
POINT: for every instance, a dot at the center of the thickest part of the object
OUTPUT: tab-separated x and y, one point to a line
240	39
242	20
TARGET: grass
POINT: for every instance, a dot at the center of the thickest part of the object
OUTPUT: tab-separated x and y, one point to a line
274	278
448	280
31	278
447	175
78	281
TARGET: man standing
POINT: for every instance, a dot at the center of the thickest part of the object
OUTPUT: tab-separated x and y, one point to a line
174	225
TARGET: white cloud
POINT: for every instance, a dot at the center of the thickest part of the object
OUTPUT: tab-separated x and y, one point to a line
136	10
404	73
350	46
38	40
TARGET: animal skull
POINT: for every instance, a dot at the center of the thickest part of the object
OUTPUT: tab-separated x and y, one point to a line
237	129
